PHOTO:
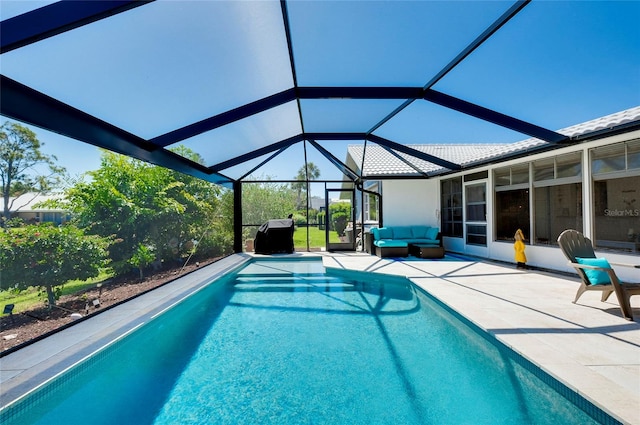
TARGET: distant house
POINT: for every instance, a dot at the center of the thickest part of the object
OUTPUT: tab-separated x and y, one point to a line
316	202
27	207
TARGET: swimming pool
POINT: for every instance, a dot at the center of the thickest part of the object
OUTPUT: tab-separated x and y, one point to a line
284	342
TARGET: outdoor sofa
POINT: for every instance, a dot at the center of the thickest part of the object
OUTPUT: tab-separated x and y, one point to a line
394	241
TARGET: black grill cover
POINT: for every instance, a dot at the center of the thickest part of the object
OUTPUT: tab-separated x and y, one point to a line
275	236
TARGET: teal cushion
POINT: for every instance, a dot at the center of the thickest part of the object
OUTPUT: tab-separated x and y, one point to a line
419	232
391	243
432	233
432	242
385	233
596	277
375	233
402	232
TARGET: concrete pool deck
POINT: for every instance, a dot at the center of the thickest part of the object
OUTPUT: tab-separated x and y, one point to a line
587	346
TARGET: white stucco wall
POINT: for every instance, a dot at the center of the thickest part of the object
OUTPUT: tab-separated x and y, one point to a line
410	202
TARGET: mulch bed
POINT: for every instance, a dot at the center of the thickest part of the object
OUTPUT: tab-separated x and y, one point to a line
24	327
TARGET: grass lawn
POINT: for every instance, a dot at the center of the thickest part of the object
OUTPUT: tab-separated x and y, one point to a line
28	298
316	238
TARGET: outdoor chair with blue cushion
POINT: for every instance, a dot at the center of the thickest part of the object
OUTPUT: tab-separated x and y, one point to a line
596	273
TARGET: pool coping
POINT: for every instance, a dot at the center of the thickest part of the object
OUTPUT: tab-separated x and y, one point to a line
537	323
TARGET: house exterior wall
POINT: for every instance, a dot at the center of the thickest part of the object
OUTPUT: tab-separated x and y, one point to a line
411	202
407	202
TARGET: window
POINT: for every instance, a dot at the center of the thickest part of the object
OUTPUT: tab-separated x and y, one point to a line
512	201
616	196
451	207
568	166
476	208
557	208
371	207
559	167
476	203
608	159
544	170
512	213
633	155
476	234
557	196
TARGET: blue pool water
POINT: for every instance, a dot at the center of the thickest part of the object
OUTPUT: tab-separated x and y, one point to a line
281	342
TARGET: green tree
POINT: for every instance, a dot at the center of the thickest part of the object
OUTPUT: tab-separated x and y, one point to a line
260	202
142	204
47	256
305	174
20	157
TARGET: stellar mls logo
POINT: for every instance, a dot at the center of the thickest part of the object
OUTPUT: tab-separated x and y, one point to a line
622	213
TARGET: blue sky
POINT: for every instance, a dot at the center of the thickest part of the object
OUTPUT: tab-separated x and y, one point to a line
168	64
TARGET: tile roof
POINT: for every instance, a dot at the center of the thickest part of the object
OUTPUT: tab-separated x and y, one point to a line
379	162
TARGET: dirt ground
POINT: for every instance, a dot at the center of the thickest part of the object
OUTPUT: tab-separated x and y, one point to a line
26	326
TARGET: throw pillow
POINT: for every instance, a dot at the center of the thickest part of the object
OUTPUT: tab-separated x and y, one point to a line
402	232
419	232
385	233
596	277
432	233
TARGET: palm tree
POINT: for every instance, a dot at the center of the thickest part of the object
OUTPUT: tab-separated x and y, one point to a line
305	174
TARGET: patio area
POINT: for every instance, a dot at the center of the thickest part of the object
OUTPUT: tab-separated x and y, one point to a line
587	346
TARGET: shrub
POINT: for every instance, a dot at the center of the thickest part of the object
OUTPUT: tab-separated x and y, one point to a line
47	256
142	257
340	213
299	219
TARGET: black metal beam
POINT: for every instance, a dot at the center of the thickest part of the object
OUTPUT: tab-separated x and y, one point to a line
287	32
410	93
404	160
289	181
256	153
292	62
494	117
495	26
27	105
224	118
335	136
364	153
281	98
248	173
237	216
360	92
57	18
413	152
335	161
